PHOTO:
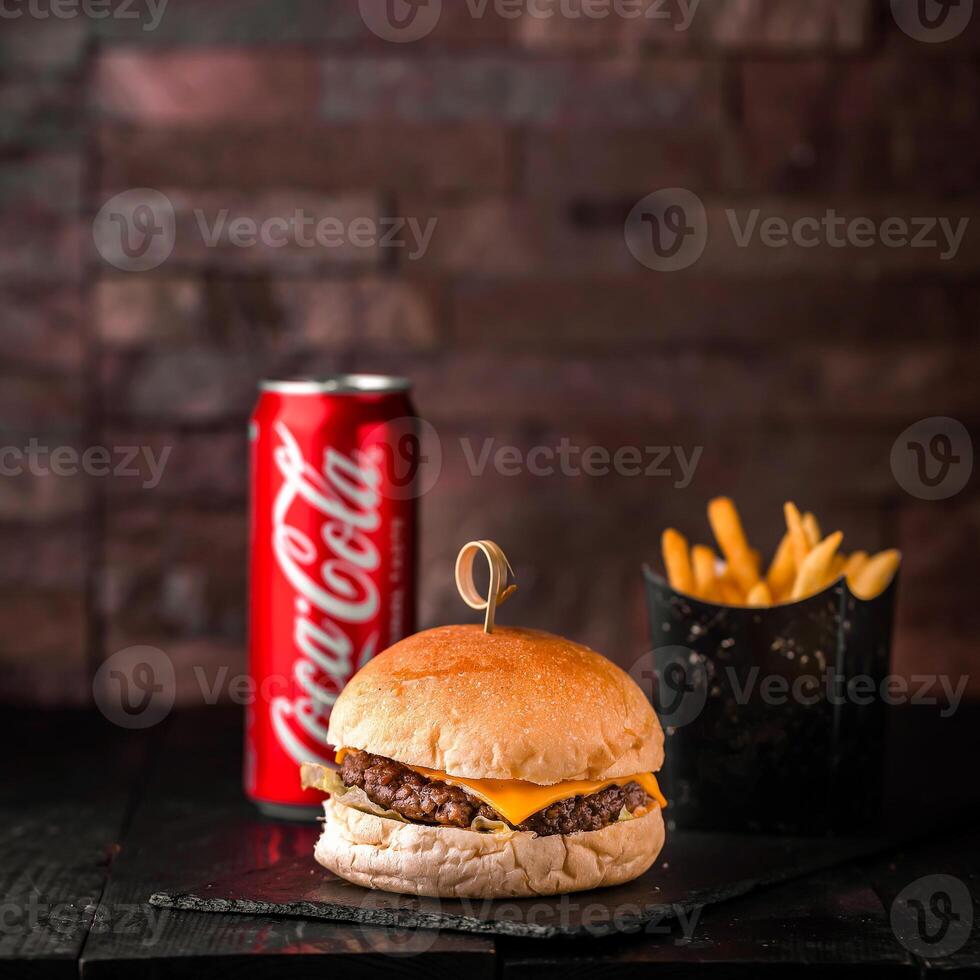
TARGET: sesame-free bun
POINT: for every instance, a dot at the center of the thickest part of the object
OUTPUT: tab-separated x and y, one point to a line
512	704
447	862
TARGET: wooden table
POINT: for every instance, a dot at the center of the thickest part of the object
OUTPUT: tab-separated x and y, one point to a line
93	819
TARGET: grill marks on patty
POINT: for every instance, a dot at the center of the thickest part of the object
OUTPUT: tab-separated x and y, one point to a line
422	800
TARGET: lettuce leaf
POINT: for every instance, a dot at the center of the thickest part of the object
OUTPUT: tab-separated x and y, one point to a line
357	799
328	780
323	778
498	828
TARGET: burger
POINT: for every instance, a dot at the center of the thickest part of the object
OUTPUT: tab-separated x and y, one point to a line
484	765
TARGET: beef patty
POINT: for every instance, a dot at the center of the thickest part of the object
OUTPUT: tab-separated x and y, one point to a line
430	801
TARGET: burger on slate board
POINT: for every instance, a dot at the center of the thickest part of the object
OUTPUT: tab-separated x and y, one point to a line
491	764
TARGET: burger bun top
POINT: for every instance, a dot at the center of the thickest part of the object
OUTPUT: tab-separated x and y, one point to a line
512	704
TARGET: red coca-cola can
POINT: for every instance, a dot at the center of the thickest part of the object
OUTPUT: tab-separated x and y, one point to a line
334	465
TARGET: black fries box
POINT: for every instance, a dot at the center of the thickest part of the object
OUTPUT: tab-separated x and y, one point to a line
774	717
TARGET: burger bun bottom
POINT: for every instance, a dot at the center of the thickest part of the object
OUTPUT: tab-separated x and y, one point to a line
448	862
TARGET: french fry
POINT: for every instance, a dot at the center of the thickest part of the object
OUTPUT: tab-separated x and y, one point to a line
855	563
782	571
837	567
727	528
816	566
677	561
797	534
731	594
804	562
811	527
873	579
705	573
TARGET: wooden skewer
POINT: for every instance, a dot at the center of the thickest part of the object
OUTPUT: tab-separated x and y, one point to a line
499	591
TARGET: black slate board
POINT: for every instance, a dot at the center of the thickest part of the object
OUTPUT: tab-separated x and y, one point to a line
694	870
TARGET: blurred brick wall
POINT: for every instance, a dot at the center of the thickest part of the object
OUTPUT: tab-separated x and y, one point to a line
526	322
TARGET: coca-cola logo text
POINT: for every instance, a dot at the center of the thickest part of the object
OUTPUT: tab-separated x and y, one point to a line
332	587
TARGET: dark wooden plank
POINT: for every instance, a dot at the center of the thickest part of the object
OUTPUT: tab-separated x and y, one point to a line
946	872
66	785
194	824
830	924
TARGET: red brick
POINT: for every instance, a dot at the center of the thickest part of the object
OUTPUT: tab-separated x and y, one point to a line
204	216
184	466
538	237
440	158
42	497
458	29
195	23
206	87
308	319
174	576
31	46
207	670
593	313
52	557
837	469
140	310
315	315
41	229
594	93
42	113
176	580
189	386
810	125
724	253
46	683
42	329
387	313
782	25
51	405
42	628
42	186
905	45
648	23
289	231
940	649
399	313
292	317
714	458
939	541
524	237
876	126
624	162
933	116
41	248
839	382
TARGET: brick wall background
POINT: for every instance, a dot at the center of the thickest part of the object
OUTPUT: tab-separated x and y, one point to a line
527	321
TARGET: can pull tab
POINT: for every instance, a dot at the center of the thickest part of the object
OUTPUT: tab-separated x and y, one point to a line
500	570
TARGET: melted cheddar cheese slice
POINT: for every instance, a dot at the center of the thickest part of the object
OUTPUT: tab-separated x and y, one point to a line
515	799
